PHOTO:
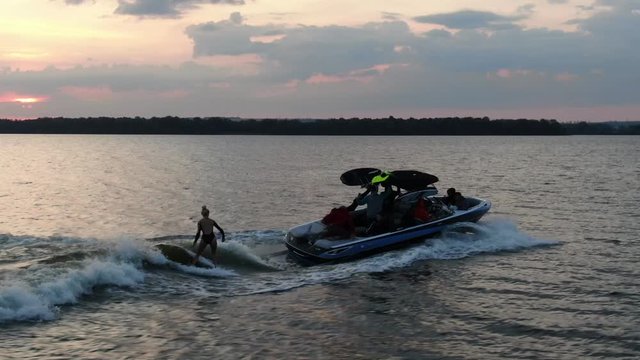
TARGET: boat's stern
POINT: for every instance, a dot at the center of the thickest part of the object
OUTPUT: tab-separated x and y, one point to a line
307	245
300	240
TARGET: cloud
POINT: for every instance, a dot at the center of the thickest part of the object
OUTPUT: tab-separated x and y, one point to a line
386	15
77	2
158	8
557	1
164	8
125	90
614	29
116	78
302	51
526	10
359	75
379	67
87	93
511	66
471	19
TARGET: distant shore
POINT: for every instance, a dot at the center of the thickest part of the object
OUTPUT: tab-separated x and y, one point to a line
171	125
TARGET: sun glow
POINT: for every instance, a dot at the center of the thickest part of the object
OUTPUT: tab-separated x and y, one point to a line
28	100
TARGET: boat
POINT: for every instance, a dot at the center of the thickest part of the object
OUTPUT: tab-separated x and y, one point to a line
312	243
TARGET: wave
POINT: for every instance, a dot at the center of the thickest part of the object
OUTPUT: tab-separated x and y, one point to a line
45	285
463	240
35	293
241	255
247	250
208	272
491	236
20	302
457	242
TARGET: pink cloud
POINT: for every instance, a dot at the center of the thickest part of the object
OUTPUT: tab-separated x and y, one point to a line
266	39
503	73
566	77
285	89
506	73
379	69
359	75
244	64
328	79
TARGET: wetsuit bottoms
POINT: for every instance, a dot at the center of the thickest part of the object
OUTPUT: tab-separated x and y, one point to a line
208	238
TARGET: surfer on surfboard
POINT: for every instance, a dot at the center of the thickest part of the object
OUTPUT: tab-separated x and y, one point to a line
205	226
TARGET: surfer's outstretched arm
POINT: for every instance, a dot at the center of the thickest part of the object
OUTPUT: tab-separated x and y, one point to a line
219	229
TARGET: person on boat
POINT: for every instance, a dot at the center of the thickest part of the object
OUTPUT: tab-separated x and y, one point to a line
451	196
339	223
389	196
460	202
455	198
421	213
205	226
384	219
374	202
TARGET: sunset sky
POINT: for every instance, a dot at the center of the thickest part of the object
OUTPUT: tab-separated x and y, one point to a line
569	60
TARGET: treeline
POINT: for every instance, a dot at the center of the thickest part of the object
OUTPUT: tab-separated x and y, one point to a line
352	126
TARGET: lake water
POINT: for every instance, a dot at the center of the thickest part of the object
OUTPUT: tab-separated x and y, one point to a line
550	273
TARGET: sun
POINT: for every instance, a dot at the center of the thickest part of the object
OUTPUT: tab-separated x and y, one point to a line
28	100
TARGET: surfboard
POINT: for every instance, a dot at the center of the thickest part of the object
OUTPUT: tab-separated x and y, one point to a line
180	255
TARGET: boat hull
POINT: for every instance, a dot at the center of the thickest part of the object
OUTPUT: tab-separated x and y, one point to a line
322	251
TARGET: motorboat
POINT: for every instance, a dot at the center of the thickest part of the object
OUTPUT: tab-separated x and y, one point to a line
315	242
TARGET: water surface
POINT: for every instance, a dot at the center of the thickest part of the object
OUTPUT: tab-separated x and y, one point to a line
550	273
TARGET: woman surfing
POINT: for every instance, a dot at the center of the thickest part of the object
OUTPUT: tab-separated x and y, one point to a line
205	226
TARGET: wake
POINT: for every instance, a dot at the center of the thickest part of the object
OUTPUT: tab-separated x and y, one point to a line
457	242
35	292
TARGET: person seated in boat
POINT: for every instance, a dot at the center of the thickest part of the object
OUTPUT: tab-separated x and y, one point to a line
339	223
451	197
401	214
438	209
454	198
460	201
421	212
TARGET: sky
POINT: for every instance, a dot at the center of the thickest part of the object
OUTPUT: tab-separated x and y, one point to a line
570	60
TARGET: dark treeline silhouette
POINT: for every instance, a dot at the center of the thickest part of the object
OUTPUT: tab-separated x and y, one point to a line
353	126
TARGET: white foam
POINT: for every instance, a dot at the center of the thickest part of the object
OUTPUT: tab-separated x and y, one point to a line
490	236
19	303
155	257
76	283
38	302
245	252
50	286
131	250
210	272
